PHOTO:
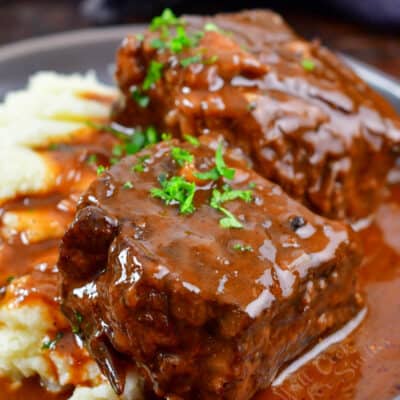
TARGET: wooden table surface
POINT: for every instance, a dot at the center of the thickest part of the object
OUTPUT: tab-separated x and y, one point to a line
20	19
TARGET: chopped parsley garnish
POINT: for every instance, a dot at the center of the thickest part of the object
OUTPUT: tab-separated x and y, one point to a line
177	43
101	169
158	43
53	146
140	165
140	37
92	159
136	143
192	140
10	279
211	60
166	136
218	198
151	135
51	344
220	170
251	106
308	64
242	247
166	19
118	150
141	99
76	329
128	185
223	170
210	27
252	185
181	41
78	317
132	144
211	175
176	191
140	139
191	60
153	74
181	156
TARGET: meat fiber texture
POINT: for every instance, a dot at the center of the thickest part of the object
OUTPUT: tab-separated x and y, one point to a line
305	119
204	311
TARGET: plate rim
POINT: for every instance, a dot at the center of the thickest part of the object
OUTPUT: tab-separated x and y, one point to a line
60	40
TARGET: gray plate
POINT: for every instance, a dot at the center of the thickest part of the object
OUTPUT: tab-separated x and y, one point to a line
94	49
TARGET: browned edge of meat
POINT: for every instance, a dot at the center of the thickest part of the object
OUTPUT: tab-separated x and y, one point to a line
204	311
305	119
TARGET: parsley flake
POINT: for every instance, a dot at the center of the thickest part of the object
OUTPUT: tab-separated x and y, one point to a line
153	74
211	60
92	159
223	170
118	150
176	190
139	37
51	344
141	99
308	64
210	27
192	140
166	19
53	146
140	165
101	169
76	329
181	156
181	41
242	247
218	198
166	136
140	139
191	60
252	106
151	135
158	44
128	185
220	170
211	175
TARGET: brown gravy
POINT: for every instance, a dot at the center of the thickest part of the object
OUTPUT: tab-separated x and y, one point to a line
364	366
367	364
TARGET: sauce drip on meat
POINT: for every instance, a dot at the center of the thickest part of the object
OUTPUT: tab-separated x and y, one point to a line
366	364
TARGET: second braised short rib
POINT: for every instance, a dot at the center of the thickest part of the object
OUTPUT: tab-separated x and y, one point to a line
306	120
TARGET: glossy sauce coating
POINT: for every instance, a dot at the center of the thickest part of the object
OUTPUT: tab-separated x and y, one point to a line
36	261
306	120
173	294
365	365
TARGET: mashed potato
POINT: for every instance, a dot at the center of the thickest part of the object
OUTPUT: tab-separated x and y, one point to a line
52	109
28	348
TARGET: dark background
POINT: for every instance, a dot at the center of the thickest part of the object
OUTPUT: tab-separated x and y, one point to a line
366	29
